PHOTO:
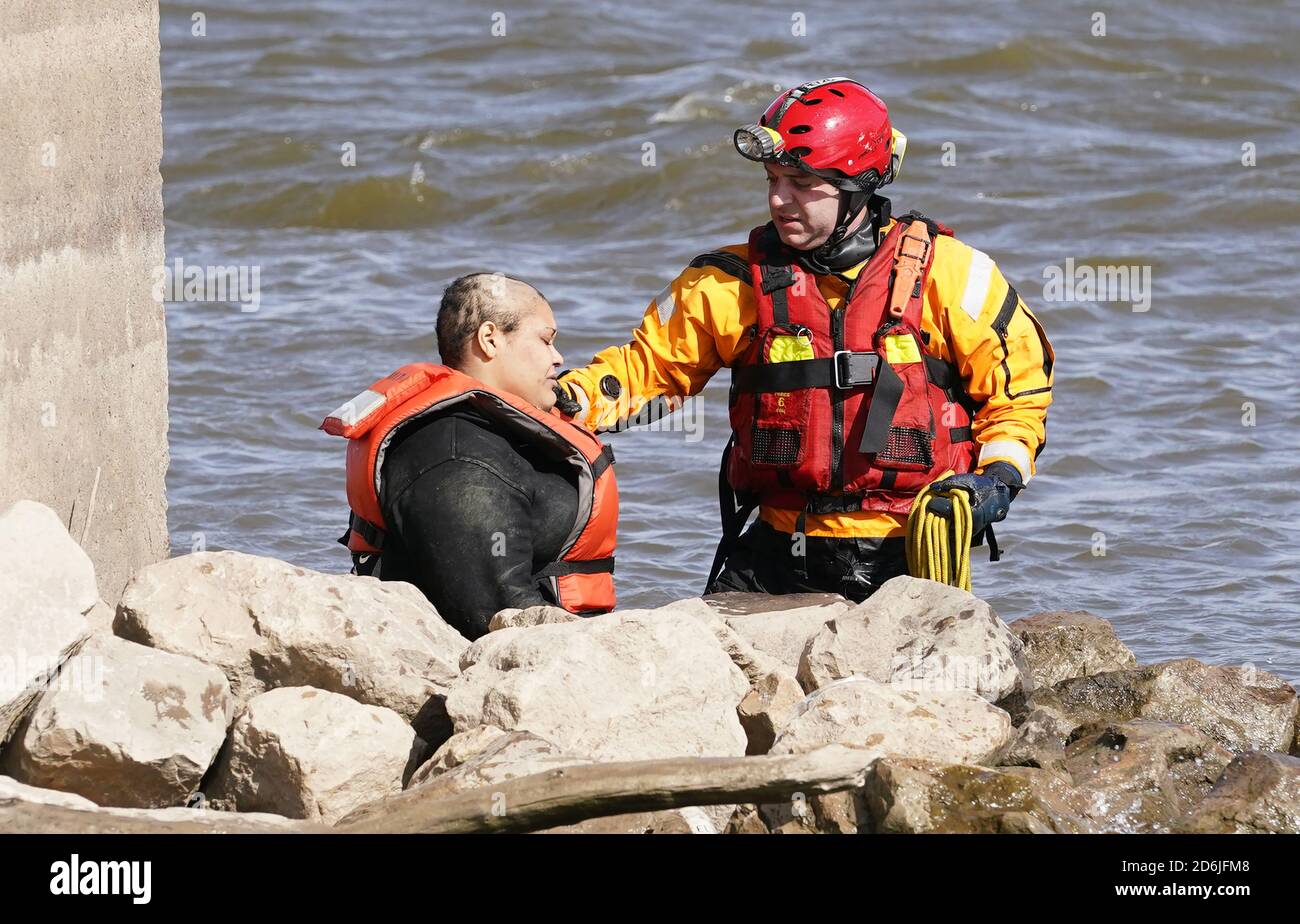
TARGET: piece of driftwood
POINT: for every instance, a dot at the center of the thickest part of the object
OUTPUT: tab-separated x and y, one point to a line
21	817
542	800
572	794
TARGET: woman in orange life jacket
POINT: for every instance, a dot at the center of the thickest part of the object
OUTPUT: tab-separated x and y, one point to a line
463	481
868	357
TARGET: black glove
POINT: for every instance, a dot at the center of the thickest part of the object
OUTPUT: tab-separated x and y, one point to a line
565	403
991	494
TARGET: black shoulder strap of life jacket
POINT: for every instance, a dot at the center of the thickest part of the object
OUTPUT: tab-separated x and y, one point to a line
935	228
734	508
730	263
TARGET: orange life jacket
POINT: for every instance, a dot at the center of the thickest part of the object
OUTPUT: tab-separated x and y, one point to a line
582	579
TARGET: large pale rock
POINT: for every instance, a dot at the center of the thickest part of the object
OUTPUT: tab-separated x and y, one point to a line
488	755
47	583
754	664
39	559
912	796
195	605
100	618
955	726
773	689
1061	645
923	634
1141	776
621	686
33	644
778	625
269	624
308	753
124	725
767	708
540	615
1240	707
1258	793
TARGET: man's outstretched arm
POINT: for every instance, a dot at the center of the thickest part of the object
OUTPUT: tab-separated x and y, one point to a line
691	329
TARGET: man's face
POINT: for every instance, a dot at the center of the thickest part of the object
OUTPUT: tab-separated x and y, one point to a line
527	362
804	207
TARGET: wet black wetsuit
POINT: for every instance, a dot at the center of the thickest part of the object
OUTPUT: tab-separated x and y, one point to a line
472	515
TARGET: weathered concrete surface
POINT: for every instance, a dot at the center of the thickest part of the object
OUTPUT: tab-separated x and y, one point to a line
83	357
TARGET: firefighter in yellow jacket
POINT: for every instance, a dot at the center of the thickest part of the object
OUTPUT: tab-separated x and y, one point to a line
870	355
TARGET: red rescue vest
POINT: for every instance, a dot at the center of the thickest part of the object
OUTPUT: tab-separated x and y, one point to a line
582	579
836	411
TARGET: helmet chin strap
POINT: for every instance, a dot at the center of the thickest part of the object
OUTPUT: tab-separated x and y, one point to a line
843	250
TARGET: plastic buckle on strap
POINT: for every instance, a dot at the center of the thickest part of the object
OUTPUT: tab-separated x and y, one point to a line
844	366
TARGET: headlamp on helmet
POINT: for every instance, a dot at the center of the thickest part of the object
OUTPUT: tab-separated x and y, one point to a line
758	143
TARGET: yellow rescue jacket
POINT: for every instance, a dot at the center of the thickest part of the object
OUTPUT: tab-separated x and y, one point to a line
704	319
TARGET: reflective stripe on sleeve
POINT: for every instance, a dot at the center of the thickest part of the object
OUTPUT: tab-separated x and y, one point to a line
1008	449
664	304
977	284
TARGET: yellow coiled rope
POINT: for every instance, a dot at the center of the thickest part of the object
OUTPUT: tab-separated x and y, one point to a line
938	548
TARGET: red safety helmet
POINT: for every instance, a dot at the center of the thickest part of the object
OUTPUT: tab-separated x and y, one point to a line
833	128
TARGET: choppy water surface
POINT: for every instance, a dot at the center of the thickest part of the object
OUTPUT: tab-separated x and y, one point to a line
524	152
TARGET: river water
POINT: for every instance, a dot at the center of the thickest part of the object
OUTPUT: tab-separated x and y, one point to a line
1166	499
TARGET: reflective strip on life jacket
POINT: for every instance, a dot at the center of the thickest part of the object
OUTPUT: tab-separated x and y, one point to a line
581	579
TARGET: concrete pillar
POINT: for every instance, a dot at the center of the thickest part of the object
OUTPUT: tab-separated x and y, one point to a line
83	346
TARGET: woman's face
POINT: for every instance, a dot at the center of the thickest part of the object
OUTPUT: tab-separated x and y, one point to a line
526	361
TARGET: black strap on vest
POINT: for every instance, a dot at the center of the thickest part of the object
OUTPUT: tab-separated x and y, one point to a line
734	508
589	566
724	260
995	553
603	461
368	531
847	369
775	279
884	401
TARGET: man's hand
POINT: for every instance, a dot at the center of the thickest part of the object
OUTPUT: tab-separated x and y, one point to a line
990	494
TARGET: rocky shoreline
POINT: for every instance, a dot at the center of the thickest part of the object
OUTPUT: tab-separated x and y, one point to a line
229	692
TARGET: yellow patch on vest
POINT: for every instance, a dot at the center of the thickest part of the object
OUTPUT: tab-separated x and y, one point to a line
788	348
901	348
